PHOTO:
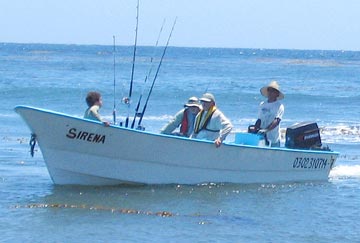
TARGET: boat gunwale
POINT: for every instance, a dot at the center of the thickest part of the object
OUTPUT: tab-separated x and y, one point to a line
226	143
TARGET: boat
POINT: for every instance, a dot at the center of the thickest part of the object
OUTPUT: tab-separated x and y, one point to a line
78	151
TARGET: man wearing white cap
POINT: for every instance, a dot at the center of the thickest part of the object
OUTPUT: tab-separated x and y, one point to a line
271	113
211	123
184	118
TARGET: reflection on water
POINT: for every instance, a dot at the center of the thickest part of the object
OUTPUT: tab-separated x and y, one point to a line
155	200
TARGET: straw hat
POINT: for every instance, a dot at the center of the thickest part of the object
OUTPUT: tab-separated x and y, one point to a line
208	97
274	85
192	102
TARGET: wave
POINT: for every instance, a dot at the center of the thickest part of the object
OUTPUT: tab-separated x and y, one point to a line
345	171
335	133
315	62
341	133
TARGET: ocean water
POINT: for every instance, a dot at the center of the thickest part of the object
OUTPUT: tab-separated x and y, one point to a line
319	86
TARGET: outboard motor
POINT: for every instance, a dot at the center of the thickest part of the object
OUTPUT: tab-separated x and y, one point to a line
305	135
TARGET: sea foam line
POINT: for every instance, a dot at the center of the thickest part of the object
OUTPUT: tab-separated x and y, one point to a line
352	171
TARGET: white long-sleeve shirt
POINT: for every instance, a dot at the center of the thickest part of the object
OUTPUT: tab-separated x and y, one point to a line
219	126
176	122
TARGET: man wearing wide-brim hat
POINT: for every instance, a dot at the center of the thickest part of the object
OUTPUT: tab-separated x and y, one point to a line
271	112
211	123
184	119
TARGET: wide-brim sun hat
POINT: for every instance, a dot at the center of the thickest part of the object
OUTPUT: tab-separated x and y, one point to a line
192	102
273	84
208	97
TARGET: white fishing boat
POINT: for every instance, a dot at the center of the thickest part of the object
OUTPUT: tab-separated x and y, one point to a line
85	152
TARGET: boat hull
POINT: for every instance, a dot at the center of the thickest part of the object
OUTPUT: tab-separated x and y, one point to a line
84	152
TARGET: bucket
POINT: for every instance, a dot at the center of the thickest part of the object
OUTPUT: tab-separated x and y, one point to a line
249	139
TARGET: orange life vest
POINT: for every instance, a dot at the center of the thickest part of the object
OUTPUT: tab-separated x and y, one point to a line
184	123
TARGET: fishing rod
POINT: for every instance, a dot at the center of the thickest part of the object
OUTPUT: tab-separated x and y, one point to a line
207	87
156	74
114	109
128	100
148	75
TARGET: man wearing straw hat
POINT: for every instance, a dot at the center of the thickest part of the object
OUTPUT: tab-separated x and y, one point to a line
270	114
185	118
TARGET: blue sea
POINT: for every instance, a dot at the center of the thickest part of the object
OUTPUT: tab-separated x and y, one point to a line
319	86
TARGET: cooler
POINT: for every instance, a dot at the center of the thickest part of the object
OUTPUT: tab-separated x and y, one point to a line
249	139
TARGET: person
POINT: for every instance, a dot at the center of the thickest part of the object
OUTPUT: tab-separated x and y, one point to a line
271	112
184	118
210	122
94	102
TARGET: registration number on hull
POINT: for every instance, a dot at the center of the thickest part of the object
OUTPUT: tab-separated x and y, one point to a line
310	163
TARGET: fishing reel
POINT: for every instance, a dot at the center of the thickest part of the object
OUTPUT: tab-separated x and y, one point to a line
126	100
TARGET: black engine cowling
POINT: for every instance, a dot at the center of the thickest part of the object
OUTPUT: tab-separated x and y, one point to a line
305	135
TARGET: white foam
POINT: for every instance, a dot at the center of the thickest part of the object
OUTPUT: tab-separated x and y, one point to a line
348	133
340	171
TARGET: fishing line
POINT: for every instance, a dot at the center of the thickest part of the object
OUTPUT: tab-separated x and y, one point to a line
148	75
156	74
128	100
114	94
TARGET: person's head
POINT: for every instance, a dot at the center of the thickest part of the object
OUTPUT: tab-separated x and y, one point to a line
193	105
272	91
93	98
207	101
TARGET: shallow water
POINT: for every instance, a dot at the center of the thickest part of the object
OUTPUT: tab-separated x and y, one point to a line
319	86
